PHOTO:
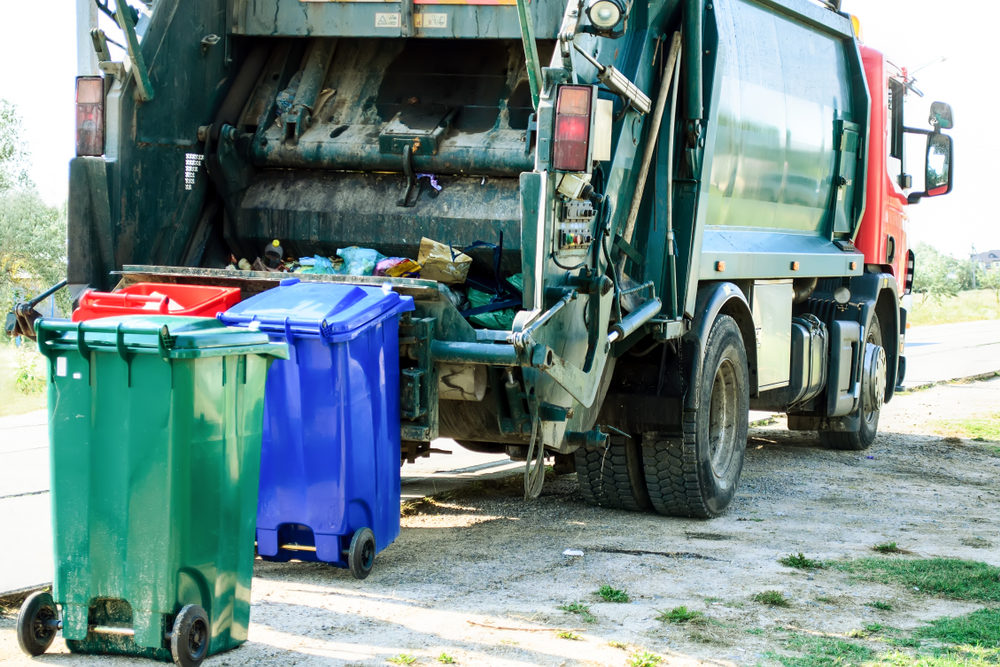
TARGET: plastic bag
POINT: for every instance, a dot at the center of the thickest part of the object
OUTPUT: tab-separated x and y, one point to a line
359	261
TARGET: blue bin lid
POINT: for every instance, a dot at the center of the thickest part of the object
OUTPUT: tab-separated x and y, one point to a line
331	310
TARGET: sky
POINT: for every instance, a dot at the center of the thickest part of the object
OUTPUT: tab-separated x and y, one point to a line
39	55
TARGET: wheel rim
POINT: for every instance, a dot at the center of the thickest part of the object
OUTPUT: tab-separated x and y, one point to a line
197	639
723	418
367	554
873	386
40	628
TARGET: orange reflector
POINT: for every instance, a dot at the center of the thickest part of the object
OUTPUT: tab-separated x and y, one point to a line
795	266
574	100
720	266
853	265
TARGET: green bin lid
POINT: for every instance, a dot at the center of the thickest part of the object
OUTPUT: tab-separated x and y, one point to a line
174	337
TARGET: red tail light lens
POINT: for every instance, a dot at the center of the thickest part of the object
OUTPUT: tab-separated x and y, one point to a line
572	134
89	116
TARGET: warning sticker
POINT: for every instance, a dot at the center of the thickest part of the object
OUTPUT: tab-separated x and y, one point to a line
386	20
430	20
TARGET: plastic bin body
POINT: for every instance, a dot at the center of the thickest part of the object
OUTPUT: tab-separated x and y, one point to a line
155	461
157	299
331	447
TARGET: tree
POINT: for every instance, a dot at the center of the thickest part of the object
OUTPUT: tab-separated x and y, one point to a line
32	234
14	156
937	276
991	280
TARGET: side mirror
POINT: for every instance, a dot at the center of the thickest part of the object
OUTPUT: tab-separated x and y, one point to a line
941	116
937	168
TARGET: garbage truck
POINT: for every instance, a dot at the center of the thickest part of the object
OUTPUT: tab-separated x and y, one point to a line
669	212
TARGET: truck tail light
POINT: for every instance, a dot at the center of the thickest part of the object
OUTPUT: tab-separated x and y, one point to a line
571	148
89	116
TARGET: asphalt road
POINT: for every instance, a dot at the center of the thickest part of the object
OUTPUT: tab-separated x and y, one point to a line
948	351
934	354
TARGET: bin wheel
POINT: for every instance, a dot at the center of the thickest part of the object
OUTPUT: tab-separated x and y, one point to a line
361	555
190	636
34	630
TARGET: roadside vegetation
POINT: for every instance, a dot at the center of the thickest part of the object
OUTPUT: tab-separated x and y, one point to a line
22	379
971	639
985	429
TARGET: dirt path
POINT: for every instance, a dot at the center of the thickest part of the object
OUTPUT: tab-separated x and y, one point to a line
481	579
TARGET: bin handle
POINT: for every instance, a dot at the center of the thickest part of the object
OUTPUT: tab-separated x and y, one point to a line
288	328
81	343
120	343
164	343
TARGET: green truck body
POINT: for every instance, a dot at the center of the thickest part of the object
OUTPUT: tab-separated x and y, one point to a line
698	261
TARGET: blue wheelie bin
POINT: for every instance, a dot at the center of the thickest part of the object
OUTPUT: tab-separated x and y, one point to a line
330	456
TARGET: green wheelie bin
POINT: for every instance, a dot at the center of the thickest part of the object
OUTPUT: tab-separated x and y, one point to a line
155	431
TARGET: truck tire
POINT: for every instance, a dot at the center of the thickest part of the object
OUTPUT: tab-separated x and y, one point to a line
613	476
873	379
695	474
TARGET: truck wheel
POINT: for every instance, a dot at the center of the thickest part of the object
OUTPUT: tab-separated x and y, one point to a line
190	636
612	476
873	380
361	554
34	631
695	474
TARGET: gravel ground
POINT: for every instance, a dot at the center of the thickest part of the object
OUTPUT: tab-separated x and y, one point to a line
480	578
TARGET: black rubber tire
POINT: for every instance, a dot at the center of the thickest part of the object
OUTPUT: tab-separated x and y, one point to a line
34	635
695	473
613	477
864	437
361	554
190	637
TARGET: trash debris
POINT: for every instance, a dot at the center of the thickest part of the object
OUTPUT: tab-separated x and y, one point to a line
272	255
573	553
442	262
359	261
286	98
433	182
493	311
397	267
316	264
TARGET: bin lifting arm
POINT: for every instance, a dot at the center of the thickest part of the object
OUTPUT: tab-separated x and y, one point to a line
524	351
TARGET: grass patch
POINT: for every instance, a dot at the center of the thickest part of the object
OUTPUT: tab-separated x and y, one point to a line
972	640
644	659
580	609
980	628
567	634
800	562
614	643
948	577
402	659
887	548
881	605
822	652
680	615
22	379
967	306
772	599
979	429
446	659
610	594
